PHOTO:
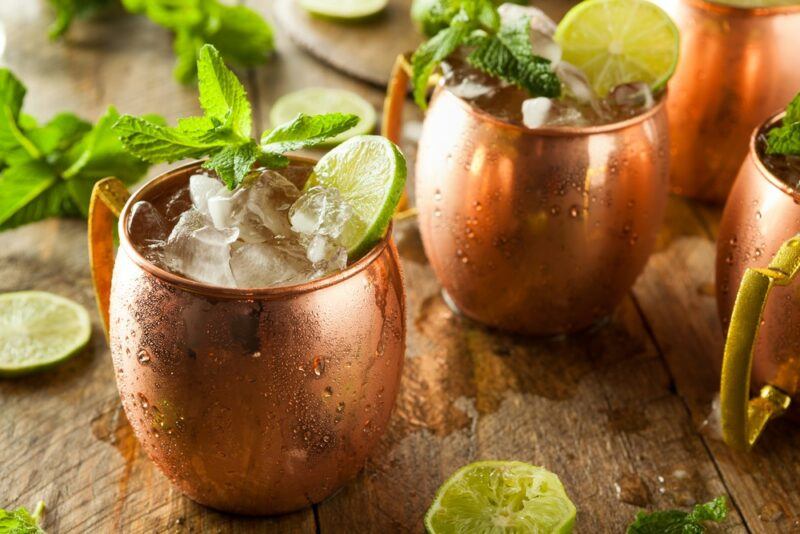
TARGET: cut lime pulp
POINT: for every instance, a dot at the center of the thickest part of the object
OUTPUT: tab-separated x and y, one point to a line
344	9
620	41
501	497
370	173
39	329
318	100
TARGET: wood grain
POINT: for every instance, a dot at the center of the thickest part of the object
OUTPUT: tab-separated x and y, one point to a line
616	411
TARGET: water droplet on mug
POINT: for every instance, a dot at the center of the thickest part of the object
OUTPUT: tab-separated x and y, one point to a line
758	215
555	210
143	356
437	195
574	211
318	366
340	407
143	401
256	354
327	392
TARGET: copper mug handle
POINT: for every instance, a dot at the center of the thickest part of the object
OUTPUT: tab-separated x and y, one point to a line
744	419
108	198
392	120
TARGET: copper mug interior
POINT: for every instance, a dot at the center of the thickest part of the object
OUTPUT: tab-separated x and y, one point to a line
256	401
737	66
538	231
762	213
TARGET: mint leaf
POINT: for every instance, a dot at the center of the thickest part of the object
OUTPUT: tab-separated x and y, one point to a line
155	143
100	154
508	55
242	36
431	53
19	186
222	96
233	163
678	522
59	133
306	131
20	521
12	92
785	139
223	133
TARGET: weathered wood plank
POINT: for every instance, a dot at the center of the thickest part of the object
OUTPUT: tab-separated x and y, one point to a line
676	296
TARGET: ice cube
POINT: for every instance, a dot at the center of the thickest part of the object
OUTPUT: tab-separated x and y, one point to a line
631	97
269	199
199	251
470	88
267	264
575	82
320	210
535	111
543	45
510	13
202	187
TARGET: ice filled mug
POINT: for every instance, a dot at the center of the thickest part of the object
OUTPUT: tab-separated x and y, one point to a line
757	284
254	401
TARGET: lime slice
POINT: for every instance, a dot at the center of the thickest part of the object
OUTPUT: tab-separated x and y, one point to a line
318	100
500	497
620	41
39	329
370	173
344	9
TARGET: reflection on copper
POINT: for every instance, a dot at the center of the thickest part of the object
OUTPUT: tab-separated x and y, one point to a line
257	401
551	231
737	67
761	213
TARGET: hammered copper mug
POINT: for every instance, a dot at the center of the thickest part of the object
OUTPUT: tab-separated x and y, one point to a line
758	298
253	401
737	66
534	231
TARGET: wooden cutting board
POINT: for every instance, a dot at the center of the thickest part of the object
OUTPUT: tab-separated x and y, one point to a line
366	49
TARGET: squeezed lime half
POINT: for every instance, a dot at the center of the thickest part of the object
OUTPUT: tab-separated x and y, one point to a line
501	497
620	41
39	329
370	173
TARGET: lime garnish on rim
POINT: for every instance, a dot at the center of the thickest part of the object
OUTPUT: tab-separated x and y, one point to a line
344	9
370	173
620	41
318	100
39	329
501	496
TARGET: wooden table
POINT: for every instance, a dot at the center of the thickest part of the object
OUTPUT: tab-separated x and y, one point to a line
617	412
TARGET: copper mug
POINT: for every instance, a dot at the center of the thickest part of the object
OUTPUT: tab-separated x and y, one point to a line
253	401
534	231
737	66
758	298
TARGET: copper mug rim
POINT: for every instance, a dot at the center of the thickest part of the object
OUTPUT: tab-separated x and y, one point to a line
762	169
279	292
742	11
556	131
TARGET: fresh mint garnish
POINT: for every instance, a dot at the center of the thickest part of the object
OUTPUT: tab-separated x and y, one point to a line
435	15
501	50
785	139
223	133
240	34
48	170
20	521
679	522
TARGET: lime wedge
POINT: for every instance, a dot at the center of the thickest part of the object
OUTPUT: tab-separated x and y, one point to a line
620	41
318	100
498	497
344	9
39	329
370	173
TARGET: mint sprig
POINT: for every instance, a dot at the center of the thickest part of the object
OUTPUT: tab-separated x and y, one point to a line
240	34
679	522
48	170
20	521
785	139
223	133
501	50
